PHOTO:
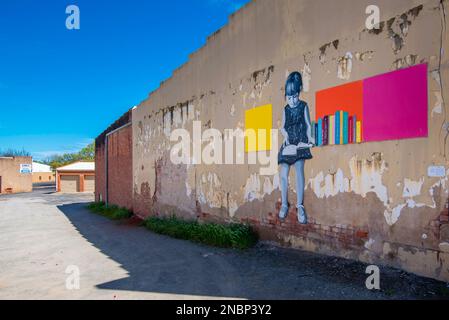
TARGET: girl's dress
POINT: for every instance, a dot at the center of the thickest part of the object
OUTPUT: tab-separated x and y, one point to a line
296	127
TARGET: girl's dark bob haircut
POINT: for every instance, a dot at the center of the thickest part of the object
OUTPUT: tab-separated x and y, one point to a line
294	84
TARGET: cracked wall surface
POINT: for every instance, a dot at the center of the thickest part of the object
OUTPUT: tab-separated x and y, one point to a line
373	202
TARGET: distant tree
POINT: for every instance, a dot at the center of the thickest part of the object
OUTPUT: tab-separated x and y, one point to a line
14	153
88	153
85	154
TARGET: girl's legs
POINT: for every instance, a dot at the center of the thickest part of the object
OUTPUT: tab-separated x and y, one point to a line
285	170
300	185
300	181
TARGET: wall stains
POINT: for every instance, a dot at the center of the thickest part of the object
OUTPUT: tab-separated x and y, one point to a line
438	108
363	56
404	24
306	77
415	11
255	189
398	28
412	188
323	49
344	68
232	111
378	30
261	79
398	41
408	61
335	43
209	190
366	176
267	72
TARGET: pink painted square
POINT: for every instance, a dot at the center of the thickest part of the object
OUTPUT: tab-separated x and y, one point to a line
396	105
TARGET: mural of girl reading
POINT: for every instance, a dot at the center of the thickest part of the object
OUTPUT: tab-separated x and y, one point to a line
297	132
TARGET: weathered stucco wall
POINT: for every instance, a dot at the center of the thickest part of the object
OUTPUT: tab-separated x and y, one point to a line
12	181
373	201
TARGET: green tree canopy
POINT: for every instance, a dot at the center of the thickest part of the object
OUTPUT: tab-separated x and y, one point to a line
14	153
86	154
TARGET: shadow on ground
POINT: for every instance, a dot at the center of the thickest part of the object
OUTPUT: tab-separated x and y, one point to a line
160	264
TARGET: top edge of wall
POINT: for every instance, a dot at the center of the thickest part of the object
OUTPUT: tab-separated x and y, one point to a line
123	120
209	41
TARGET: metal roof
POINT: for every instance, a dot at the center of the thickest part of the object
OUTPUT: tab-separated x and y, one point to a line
78	166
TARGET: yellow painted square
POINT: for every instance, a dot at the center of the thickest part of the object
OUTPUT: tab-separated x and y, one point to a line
260	120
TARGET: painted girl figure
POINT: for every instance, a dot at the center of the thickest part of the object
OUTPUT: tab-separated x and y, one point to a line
297	132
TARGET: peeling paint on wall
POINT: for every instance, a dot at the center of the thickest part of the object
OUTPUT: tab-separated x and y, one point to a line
392	216
407	61
366	177
232	112
344	69
306	77
412	188
398	28
363	56
254	189
209	190
438	108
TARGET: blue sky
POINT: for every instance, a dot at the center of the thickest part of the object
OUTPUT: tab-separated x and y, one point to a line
61	88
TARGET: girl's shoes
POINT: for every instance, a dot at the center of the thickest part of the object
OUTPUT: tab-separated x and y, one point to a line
283	212
302	216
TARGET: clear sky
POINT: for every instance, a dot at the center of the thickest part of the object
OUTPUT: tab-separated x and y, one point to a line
61	88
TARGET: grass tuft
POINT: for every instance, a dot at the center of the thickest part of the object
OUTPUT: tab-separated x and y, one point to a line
236	236
112	212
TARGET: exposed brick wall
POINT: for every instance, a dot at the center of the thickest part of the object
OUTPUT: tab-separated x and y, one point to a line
100	187
119	164
143	201
120	168
440	225
444	216
342	236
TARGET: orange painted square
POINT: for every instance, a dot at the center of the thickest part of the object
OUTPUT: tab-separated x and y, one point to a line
348	97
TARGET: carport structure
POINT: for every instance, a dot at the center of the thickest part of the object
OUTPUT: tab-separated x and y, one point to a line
76	177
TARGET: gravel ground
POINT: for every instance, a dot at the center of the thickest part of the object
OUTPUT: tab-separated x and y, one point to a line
43	233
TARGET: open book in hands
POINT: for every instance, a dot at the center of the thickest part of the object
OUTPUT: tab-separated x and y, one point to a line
292	149
302	145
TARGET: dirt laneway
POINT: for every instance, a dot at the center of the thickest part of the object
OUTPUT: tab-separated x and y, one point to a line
42	233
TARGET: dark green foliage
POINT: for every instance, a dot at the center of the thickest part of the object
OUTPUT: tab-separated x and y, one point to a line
236	236
226	236
111	212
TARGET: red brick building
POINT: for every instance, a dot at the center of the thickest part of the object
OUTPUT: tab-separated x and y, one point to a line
113	160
